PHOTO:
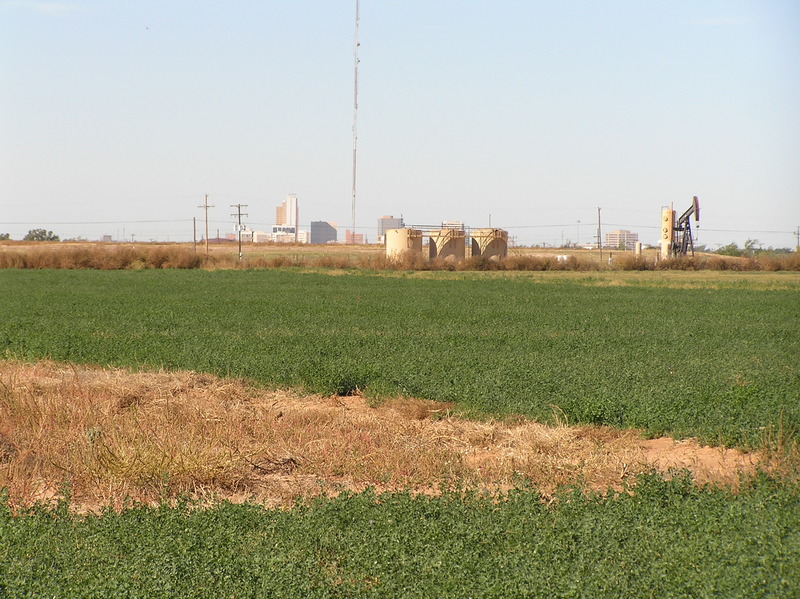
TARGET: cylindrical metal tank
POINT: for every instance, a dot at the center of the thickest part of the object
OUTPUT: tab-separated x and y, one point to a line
403	241
490	243
447	244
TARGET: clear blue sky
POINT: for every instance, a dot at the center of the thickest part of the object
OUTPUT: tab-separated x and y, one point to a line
126	112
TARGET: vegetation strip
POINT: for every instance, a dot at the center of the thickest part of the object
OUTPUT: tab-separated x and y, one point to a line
38	253
670	538
719	364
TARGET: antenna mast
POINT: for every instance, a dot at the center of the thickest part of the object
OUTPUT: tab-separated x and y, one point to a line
355	116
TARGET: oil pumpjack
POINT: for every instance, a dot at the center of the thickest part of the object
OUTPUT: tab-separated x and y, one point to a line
676	235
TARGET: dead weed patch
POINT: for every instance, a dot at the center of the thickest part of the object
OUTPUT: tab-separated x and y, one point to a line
116	436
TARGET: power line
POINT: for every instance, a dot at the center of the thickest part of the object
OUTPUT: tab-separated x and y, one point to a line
706	229
101	222
537	226
744	231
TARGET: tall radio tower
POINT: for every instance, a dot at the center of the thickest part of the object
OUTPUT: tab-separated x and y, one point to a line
355	116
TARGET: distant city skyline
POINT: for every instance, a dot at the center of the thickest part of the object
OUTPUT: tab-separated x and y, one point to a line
117	118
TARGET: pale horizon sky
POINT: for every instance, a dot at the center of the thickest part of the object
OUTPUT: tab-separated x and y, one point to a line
120	116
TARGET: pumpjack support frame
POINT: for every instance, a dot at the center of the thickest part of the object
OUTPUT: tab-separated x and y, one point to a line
683	242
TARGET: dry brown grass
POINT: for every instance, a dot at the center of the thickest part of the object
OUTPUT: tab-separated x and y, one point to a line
106	256
112	434
98	256
780	262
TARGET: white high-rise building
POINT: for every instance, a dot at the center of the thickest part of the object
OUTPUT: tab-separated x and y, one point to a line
286	215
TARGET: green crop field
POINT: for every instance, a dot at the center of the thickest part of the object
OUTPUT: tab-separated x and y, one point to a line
718	363
690	355
670	539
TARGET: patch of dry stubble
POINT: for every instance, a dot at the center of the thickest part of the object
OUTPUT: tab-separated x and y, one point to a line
115	435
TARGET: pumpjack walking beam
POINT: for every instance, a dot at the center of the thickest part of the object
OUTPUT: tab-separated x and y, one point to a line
683	230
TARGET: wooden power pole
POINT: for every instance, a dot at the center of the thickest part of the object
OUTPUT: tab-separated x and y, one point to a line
205	206
599	238
239	226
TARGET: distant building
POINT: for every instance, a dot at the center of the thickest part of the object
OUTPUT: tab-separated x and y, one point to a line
621	239
284	234
351	238
453	224
388	222
322	232
287	216
287	213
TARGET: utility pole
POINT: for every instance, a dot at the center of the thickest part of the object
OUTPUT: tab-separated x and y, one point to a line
797	245
205	206
194	233
599	238
239	226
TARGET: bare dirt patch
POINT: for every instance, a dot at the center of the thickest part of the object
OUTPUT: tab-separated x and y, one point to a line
113	436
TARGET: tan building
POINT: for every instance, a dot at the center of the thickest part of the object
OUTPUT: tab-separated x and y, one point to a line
351	238
286	214
286	218
621	239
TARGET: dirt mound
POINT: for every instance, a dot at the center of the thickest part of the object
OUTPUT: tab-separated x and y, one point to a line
112	434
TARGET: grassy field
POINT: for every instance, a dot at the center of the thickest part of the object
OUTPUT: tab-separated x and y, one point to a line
669	539
708	357
712	355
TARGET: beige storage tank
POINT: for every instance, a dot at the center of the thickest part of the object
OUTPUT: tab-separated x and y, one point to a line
490	243
447	244
403	241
